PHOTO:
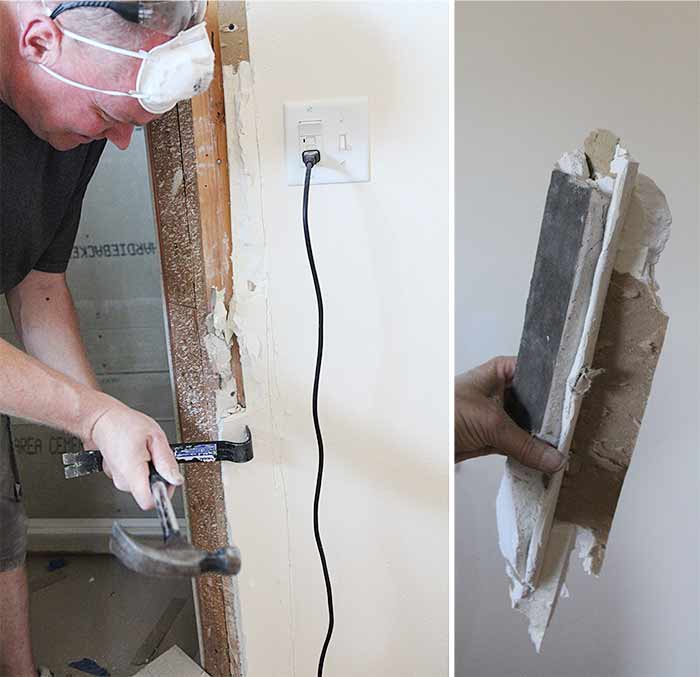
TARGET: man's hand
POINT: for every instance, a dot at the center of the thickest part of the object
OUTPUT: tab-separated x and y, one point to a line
482	425
128	439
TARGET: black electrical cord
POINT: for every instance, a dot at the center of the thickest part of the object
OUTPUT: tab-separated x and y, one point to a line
310	158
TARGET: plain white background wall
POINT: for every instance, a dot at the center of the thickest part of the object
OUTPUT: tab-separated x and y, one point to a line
532	79
382	254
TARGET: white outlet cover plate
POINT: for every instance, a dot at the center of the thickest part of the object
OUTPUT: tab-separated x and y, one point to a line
342	119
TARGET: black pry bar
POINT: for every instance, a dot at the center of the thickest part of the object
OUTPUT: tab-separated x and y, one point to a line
83	463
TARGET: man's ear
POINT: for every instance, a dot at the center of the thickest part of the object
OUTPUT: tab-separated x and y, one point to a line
41	40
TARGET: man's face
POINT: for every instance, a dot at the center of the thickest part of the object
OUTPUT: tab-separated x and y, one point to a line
88	116
67	116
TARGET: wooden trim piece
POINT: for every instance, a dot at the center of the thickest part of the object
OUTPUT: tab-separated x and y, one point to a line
189	171
173	173
209	129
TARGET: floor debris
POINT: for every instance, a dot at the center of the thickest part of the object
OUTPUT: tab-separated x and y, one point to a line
55	564
173	663
149	649
89	667
117	613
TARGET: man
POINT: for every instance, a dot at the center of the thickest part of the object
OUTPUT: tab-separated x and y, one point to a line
71	78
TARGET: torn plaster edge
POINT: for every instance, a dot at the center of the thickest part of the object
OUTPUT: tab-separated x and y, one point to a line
540	608
646	234
234	619
249	312
580	374
647	226
218	342
591	551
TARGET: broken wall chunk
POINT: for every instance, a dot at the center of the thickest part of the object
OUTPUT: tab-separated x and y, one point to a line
605	396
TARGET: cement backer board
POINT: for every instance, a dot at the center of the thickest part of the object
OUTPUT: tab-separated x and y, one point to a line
567	252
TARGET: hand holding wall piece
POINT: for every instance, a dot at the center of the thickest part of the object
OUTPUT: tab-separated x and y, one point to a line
482	426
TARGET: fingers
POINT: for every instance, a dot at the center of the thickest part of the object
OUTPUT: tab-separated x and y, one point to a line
140	487
106	469
505	368
164	459
524	447
490	379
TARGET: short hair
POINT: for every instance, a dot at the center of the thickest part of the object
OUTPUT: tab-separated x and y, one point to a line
102	24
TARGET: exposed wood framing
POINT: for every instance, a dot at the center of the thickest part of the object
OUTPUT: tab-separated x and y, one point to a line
209	125
189	169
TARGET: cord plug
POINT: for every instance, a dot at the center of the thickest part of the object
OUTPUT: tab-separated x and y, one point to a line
311	157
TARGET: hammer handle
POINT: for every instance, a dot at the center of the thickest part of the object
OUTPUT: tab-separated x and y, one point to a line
164	507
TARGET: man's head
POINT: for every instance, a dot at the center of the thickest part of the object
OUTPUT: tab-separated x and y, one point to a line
38	48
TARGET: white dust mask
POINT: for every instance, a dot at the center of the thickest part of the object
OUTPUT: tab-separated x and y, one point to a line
176	70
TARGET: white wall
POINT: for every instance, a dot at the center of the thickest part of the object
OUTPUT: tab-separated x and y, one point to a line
382	254
532	79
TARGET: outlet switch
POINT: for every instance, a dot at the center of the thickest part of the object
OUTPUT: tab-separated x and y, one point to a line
339	129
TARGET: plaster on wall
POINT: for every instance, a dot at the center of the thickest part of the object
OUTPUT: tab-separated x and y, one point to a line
381	250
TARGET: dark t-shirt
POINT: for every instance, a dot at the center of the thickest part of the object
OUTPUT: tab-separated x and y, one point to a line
41	195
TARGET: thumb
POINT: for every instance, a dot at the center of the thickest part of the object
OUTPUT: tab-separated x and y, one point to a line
164	460
526	448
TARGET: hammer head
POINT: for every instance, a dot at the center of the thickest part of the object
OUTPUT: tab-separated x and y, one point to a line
174	558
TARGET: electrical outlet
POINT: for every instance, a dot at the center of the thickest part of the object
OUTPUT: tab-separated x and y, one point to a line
339	129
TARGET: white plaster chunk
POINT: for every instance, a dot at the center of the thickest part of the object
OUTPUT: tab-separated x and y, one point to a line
218	342
574	163
590	551
249	316
539	607
646	232
535	546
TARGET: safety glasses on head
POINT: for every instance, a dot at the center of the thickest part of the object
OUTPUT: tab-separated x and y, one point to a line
173	71
162	16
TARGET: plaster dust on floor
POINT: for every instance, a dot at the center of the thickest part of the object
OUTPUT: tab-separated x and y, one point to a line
93	607
605	397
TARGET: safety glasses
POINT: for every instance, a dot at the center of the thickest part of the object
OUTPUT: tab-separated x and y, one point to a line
169	17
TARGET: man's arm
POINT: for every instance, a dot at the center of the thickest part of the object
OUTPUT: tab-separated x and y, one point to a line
46	321
55	385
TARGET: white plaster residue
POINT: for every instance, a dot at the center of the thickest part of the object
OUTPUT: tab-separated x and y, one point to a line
250	313
646	232
540	606
590	551
178	180
249	319
574	163
218	344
